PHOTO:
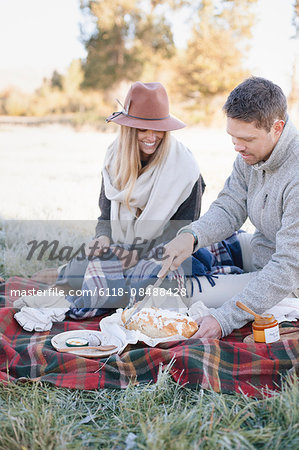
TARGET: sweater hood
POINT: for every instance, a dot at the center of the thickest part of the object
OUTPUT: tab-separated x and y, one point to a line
282	149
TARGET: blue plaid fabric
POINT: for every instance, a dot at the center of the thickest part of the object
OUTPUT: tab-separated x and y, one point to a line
224	257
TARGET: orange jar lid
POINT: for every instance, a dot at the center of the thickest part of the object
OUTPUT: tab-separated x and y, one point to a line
266	321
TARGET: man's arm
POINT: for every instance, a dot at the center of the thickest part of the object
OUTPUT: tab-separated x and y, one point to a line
226	215
277	279
228	212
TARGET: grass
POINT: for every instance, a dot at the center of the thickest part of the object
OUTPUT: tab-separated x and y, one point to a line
156	416
16	234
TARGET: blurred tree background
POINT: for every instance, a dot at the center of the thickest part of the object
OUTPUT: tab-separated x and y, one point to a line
129	40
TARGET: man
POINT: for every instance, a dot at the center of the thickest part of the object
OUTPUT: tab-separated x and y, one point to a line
264	186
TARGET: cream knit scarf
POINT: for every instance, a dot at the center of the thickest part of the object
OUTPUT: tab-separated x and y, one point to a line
158	193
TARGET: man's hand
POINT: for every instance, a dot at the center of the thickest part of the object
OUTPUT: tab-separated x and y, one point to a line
176	251
97	246
208	328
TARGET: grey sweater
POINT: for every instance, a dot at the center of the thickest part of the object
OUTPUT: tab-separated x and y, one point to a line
267	193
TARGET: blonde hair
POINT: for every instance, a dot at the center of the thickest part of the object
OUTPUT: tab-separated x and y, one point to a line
127	167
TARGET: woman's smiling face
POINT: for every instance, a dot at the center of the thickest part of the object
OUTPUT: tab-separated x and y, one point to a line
148	141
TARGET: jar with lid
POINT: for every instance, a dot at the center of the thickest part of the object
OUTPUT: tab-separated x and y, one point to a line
265	329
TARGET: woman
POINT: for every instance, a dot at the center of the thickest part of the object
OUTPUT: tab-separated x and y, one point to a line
151	186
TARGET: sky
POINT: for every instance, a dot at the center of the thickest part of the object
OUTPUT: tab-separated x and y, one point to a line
39	36
273	48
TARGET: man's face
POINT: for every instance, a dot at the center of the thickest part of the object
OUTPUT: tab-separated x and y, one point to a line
253	144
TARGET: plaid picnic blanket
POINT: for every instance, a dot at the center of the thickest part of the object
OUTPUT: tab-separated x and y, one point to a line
228	365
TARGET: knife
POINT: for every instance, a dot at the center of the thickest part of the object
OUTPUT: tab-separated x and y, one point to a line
145	300
103	348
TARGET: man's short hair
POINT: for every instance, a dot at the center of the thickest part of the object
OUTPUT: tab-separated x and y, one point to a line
257	100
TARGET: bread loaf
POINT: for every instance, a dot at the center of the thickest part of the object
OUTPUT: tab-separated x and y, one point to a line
159	323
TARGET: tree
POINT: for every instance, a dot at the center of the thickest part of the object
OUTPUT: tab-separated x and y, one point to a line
212	62
127	35
294	92
296	17
73	78
56	80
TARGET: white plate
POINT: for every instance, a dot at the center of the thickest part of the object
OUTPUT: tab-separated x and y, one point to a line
59	341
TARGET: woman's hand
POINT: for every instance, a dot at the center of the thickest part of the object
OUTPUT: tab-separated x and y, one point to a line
128	258
97	246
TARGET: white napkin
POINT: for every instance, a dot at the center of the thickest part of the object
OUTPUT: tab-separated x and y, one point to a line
39	319
286	310
48	299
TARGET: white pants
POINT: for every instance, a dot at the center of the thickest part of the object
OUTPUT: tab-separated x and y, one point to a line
212	296
227	286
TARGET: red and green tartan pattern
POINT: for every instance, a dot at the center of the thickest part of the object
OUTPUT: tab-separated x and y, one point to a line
228	365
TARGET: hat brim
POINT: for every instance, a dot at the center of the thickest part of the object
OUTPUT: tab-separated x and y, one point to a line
171	123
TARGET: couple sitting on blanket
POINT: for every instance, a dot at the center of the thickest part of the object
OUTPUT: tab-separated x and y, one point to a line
151	199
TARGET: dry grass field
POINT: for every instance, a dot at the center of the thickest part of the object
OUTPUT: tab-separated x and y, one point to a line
53	172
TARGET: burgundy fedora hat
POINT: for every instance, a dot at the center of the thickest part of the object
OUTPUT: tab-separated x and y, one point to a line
147	107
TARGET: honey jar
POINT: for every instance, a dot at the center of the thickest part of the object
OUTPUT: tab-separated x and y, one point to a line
266	329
